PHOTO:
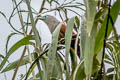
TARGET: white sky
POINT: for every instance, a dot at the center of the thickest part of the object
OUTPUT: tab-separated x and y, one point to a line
6	7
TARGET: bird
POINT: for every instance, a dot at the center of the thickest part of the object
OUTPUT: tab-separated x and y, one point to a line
52	23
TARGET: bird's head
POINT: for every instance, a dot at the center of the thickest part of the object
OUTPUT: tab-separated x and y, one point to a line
51	22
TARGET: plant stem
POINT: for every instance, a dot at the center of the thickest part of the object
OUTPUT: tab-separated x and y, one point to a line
105	38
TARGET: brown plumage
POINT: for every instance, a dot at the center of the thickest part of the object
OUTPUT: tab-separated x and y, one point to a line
62	35
52	23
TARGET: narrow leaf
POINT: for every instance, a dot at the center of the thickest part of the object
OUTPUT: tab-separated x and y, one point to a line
90	13
52	51
79	73
82	38
68	37
13	65
89	51
22	42
100	35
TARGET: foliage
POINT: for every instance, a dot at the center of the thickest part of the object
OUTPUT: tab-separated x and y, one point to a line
96	36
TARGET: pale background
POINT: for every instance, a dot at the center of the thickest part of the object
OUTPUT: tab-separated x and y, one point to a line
6	7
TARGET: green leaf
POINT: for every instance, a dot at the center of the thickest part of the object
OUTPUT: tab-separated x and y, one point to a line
77	24
22	42
77	21
109	47
30	70
57	72
73	60
115	45
110	70
79	73
8	39
3	15
1	56
107	57
100	35
109	62
43	61
52	51
68	37
89	51
53	78
13	65
90	13
90	36
95	67
99	56
111	77
82	38
35	31
99	14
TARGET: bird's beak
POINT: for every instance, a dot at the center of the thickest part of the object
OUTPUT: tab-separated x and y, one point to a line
41	18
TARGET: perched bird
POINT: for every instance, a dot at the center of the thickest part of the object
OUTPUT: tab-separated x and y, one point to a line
52	23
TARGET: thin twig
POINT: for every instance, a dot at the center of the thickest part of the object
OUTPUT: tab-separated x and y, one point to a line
34	63
105	38
25	46
42	6
22	24
13	78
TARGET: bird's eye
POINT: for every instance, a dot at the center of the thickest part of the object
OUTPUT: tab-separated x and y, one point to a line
45	17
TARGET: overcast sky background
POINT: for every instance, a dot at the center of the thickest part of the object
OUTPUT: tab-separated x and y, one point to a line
6	7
